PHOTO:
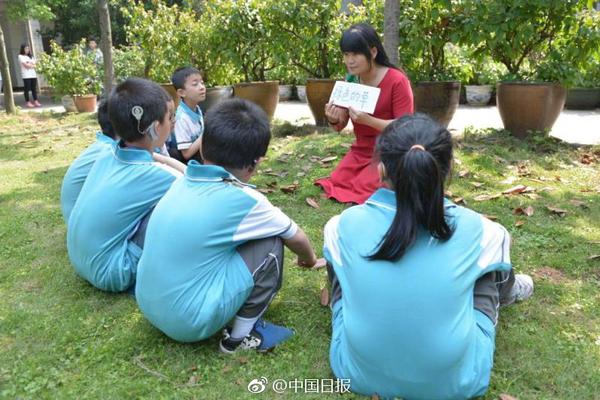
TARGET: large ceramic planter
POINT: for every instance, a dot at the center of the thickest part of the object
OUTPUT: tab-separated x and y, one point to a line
68	103
318	92
478	95
215	95
85	103
286	92
169	88
437	99
264	94
583	98
528	107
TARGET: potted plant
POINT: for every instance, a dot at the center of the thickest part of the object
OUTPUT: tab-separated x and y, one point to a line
585	93
428	30
312	29
246	39
73	73
485	73
128	61
164	35
531	38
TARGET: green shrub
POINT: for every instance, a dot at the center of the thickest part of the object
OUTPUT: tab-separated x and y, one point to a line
71	72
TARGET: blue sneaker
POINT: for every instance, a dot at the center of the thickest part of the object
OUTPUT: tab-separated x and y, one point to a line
263	337
272	334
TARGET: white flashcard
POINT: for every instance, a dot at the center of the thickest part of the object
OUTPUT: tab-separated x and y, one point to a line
361	97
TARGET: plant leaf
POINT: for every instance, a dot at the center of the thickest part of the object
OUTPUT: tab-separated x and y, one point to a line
485	197
312	202
327	159
515	189
528	211
558	211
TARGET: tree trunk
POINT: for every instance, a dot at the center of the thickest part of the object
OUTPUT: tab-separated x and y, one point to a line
9	101
106	45
391	20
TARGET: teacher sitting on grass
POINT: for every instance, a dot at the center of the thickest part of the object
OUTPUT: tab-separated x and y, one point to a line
356	177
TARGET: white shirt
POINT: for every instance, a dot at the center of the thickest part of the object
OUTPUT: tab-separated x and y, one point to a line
26	73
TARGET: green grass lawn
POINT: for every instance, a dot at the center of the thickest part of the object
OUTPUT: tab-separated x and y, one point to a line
61	338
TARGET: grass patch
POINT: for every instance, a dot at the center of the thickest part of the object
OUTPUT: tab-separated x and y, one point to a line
61	338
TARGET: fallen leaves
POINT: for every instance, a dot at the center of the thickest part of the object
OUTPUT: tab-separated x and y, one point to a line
491	217
312	202
327	159
486	197
578	203
558	211
519	223
519	189
289	189
527	211
594	257
588	158
505	396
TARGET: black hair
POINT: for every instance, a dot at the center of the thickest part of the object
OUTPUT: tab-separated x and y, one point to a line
360	38
236	134
181	74
417	176
136	92
103	119
22	50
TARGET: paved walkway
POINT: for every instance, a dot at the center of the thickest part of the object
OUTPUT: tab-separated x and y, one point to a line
572	126
578	127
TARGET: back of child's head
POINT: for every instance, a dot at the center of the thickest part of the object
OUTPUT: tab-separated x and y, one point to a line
181	74
104	120
416	152
136	92
236	134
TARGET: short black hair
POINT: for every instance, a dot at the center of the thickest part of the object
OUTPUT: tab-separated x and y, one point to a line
136	92
104	120
236	134
181	74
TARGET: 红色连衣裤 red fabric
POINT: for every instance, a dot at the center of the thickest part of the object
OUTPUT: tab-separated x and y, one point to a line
356	178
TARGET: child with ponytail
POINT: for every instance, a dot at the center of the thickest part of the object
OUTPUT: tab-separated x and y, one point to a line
417	281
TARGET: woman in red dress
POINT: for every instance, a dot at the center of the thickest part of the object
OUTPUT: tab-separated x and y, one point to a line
356	178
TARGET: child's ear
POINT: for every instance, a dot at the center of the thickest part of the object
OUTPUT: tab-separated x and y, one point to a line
181	93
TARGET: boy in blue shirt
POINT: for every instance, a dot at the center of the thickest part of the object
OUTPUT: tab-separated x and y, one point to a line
105	233
189	125
214	245
79	169
416	280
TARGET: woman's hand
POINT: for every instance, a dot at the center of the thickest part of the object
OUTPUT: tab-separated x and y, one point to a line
359	116
335	114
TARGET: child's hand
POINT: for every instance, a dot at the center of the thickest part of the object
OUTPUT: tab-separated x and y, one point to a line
321	263
307	263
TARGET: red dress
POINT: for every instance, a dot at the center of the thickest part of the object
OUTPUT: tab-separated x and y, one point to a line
356	178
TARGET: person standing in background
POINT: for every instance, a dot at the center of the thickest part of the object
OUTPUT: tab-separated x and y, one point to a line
27	64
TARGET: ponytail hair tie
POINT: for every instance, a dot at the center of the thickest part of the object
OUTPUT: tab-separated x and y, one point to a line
417	146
